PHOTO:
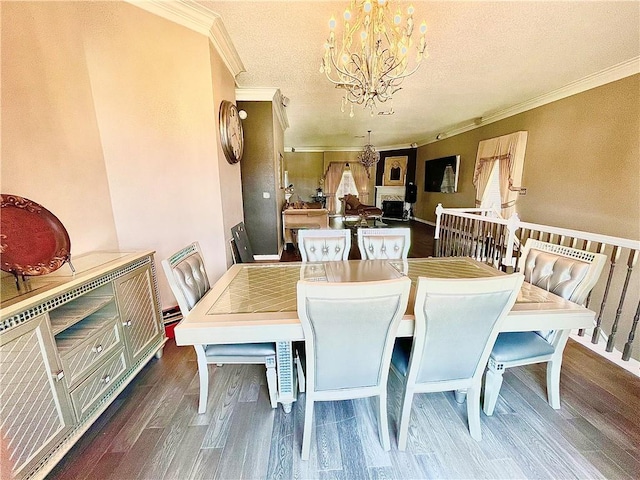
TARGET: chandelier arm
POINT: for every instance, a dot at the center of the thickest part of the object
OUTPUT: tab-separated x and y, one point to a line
356	81
374	57
346	73
393	66
358	100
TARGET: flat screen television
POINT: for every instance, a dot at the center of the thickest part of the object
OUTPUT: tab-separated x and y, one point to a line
441	174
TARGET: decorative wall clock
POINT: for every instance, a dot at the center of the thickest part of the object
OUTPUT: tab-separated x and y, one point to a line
231	135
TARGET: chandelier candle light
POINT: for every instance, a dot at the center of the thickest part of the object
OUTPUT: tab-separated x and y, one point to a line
373	59
369	157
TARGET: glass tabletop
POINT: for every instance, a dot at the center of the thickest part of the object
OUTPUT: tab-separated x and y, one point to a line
272	287
266	288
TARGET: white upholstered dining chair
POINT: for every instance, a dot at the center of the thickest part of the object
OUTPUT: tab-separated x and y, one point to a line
567	272
456	324
349	330
384	243
188	279
324	245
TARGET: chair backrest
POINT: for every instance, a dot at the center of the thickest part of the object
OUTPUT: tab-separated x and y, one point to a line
457	322
187	276
235	254
349	331
242	245
384	243
324	245
567	272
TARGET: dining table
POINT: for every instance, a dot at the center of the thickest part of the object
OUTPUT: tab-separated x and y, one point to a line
257	302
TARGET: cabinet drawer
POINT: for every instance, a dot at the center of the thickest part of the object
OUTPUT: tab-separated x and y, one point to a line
82	348
91	390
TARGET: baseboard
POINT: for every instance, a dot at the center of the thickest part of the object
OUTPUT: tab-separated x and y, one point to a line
259	258
433	224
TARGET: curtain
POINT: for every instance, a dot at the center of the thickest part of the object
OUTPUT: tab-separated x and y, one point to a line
507	196
361	178
508	150
481	176
332	178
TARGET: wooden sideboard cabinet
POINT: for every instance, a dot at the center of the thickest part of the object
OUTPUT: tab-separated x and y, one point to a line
69	344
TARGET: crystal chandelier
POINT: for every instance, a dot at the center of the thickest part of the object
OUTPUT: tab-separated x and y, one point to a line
373	58
369	157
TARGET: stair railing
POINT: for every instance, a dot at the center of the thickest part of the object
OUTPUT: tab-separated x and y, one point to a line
477	233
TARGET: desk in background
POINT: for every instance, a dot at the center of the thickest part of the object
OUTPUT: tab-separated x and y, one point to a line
297	218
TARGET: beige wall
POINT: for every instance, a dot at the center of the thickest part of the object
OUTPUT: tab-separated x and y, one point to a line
230	184
109	124
51	144
278	152
582	162
305	171
306	168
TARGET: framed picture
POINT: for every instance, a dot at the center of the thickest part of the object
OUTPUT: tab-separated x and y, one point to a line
395	171
441	174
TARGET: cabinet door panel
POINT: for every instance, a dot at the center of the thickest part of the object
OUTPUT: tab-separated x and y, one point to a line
35	409
138	311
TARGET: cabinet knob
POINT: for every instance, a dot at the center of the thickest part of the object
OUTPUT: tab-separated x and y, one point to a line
127	323
106	379
97	349
59	375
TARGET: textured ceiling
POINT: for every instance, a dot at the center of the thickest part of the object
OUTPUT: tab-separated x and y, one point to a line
484	57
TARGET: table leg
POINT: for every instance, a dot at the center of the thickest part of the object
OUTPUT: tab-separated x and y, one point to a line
286	377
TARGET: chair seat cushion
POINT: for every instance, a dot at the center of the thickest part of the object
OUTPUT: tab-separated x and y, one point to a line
401	354
241	349
515	346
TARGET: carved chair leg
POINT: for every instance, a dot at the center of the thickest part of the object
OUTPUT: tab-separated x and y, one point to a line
308	424
383	421
302	383
553	382
473	412
553	369
405	414
460	395
203	374
492	384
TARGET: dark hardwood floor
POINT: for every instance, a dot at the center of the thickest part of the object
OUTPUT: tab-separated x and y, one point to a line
421	240
153	430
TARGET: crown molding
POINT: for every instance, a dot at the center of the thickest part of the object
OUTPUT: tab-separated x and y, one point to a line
383	148
611	74
256	94
220	39
281	113
265	94
200	19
